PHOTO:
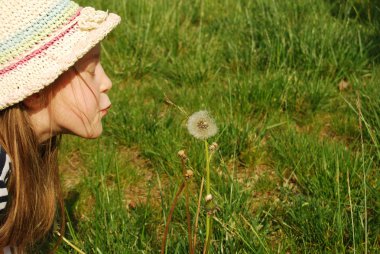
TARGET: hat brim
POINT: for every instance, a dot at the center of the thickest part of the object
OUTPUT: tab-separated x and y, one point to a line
41	69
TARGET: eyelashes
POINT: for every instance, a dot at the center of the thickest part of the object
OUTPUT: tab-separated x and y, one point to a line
89	66
92	72
93	66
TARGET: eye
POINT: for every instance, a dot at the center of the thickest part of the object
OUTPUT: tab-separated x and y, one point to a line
91	68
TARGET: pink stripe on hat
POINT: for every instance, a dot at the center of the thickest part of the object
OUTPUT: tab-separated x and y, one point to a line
40	50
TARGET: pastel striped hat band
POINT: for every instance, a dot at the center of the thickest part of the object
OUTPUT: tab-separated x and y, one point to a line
41	39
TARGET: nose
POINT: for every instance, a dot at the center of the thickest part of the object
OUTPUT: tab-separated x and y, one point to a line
106	83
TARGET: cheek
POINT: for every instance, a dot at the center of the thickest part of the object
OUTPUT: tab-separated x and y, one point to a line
79	99
87	100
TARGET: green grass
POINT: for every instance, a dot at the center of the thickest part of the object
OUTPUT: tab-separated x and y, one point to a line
296	172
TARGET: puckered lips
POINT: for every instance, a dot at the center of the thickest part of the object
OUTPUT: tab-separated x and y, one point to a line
105	110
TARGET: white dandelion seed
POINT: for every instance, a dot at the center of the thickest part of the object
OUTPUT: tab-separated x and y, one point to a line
201	125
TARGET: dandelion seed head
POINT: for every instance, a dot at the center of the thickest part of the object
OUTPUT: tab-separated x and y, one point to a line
201	125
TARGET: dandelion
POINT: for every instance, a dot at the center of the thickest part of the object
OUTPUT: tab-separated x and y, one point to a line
201	125
189	174
182	154
213	147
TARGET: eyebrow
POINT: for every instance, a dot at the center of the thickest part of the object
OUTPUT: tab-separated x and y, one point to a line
95	55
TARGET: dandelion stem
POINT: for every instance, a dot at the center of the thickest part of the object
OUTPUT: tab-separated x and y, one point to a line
170	216
208	240
197	215
189	230
208	191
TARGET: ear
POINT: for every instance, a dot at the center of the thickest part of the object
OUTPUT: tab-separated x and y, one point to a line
35	101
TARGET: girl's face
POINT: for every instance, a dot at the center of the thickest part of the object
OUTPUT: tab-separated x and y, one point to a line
80	98
75	103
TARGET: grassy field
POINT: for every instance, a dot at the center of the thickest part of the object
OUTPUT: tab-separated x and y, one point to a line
294	88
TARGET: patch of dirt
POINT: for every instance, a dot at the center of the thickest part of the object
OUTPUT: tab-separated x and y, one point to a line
72	171
344	85
249	176
148	187
270	194
322	125
263	184
132	155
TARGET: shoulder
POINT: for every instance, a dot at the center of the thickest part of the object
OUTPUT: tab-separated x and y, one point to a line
3	157
5	167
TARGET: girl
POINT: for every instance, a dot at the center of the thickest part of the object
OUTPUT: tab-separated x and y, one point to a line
51	83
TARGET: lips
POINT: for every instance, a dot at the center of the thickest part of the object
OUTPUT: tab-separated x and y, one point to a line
105	110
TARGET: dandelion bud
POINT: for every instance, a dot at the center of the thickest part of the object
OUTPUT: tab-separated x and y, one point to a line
208	198
189	174
182	154
213	147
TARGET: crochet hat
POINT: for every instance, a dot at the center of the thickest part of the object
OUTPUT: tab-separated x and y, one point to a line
40	39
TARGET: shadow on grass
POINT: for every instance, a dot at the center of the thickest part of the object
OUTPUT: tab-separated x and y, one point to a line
366	12
70	202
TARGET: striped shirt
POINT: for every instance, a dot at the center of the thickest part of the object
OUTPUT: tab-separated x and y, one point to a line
5	169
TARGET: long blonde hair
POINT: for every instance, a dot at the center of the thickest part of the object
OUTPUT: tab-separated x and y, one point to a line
34	187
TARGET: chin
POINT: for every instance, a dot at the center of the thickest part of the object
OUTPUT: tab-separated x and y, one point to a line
95	134
90	134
